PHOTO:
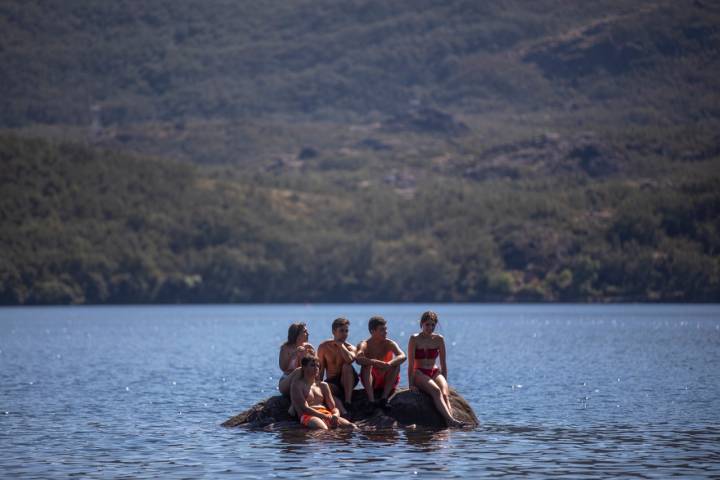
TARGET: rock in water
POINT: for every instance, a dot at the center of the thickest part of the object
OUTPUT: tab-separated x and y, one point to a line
409	407
405	407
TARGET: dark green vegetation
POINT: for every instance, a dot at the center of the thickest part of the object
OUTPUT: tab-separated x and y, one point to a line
359	151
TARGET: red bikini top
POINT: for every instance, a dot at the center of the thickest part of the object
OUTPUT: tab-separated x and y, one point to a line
427	352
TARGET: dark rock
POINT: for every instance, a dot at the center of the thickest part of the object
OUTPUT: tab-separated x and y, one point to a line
405	407
417	408
427	120
307	153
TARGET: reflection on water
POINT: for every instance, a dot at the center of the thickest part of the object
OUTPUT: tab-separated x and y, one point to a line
561	391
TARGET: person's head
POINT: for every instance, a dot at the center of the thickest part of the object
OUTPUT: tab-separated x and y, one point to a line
297	334
428	320
341	329
310	363
377	327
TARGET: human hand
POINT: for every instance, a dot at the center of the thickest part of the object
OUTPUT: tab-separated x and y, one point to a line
383	366
334	421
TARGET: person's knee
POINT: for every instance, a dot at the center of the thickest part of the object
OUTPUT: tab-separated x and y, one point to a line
433	389
317	424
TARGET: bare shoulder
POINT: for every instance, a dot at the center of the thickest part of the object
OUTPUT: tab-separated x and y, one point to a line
324	345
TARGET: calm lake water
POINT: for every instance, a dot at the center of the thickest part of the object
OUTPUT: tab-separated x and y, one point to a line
560	390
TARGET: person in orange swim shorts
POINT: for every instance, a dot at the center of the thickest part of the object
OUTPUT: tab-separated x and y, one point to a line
313	400
380	359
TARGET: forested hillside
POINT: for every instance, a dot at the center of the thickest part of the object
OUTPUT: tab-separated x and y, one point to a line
359	151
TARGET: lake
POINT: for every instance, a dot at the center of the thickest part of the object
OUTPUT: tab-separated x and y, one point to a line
560	390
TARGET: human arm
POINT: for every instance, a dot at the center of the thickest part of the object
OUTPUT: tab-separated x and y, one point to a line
399	355
330	402
411	363
284	358
362	359
443	362
323	360
347	351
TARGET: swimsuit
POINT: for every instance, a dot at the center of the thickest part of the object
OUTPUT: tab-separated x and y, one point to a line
423	353
430	372
378	376
305	419
335	380
431	353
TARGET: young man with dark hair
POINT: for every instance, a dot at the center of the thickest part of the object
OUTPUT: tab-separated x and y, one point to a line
336	357
380	358
313	400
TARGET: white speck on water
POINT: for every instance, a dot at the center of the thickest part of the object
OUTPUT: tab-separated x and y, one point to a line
31	383
58	356
402	334
127	389
454	343
174	383
618	379
597	390
223	379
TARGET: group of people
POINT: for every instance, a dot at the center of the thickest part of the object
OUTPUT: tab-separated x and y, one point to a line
320	383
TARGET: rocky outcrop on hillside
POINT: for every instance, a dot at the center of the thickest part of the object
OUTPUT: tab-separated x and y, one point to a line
549	153
404	408
618	43
427	120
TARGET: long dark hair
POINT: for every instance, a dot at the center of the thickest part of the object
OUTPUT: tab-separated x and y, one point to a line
294	331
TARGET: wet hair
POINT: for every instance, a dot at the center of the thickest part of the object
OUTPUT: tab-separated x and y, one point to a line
340	322
294	331
307	359
375	322
429	317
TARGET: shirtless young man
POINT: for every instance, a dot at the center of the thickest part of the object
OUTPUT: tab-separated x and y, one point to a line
380	358
313	401
336	358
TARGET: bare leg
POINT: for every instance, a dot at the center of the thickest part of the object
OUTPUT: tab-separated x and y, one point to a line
339	404
316	424
285	383
445	389
428	385
390	376
344	423
367	382
348	382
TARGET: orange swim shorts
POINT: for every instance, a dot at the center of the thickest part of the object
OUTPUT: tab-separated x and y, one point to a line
305	419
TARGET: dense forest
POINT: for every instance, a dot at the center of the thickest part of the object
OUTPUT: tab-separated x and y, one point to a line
323	151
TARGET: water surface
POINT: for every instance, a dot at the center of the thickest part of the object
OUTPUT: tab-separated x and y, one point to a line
561	390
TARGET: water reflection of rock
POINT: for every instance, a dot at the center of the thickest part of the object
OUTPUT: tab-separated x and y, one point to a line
428	440
404	408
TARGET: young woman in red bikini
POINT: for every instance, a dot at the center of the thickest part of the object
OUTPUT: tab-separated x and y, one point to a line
423	349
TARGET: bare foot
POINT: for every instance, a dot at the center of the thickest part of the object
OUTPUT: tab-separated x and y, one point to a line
455	423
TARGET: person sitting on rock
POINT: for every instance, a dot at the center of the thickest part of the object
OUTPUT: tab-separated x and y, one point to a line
423	349
380	359
336	357
312	399
291	353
